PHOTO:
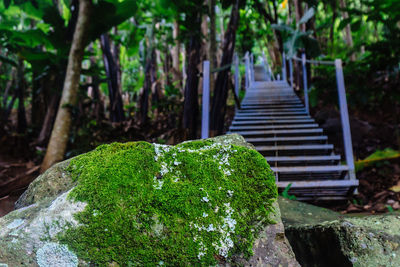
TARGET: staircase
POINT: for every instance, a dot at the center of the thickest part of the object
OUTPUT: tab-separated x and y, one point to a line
275	121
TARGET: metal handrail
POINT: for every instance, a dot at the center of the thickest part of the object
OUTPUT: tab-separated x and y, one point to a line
344	114
205	121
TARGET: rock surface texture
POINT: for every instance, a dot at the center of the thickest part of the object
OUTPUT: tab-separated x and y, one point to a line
324	238
209	202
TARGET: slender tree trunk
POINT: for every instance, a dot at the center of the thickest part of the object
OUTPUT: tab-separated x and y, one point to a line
22	124
269	18
347	29
60	134
213	41
191	105
8	88
221	85
114	91
176	73
45	132
150	80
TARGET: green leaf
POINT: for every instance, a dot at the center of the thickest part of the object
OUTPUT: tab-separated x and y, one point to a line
377	156
282	28
307	16
355	26
343	23
8	60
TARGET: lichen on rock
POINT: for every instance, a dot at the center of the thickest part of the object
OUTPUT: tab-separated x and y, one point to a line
197	203
210	200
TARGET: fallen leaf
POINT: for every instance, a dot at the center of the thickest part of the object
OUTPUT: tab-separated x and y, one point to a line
395	188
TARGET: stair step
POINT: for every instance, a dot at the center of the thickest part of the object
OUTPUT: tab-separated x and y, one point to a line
303	158
294	147
261	127
320	190
295	150
287	139
268	122
273	103
285	161
306	169
280	132
272	113
244	118
308	173
270	106
322	183
241	111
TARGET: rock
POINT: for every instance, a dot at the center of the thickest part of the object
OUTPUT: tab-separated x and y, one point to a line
146	204
328	239
50	184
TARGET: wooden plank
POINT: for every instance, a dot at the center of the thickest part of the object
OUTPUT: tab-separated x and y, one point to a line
318	184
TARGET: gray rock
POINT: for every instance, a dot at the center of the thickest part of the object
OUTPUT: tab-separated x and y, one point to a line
29	236
325	238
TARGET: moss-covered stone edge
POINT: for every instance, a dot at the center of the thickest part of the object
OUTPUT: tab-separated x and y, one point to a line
199	202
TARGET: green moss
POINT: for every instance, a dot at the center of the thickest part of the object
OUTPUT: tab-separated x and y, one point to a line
149	204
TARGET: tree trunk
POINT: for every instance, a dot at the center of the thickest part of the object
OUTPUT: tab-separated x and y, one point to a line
221	85
270	19
347	29
176	51
22	124
299	13
114	91
191	105
60	134
49	119
213	41
150	78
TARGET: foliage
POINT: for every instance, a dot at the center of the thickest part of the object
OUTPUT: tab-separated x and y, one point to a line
150	204
285	193
377	157
296	39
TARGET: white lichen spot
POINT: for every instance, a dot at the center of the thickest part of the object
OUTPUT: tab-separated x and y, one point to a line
15	224
159	185
53	254
202	250
210	228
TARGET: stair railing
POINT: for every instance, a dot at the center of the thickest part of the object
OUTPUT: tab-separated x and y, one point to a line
205	109
344	114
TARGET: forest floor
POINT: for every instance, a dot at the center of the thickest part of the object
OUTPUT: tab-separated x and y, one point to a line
19	158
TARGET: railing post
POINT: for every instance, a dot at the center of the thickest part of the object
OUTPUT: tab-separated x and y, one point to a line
205	116
344	115
266	66
284	77
247	71
291	72
252	68
303	60
237	85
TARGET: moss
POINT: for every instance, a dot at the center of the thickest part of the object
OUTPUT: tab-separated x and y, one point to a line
194	203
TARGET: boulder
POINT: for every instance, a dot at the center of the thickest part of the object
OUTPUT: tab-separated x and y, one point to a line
320	237
205	202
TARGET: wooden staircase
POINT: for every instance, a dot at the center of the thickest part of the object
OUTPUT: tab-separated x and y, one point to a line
275	121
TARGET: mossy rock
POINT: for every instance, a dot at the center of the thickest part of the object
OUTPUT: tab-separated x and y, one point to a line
202	202
325	238
51	183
